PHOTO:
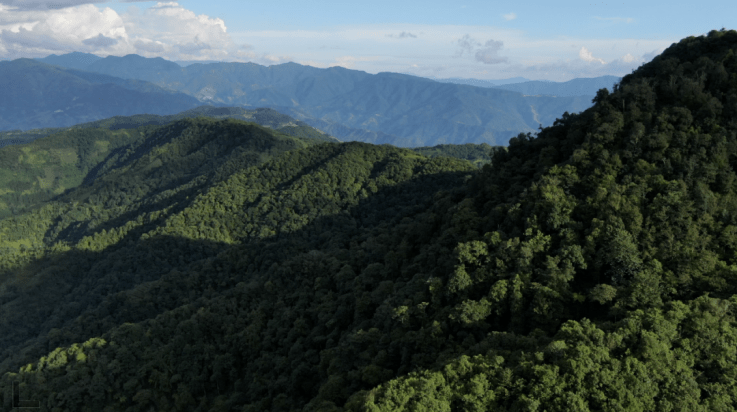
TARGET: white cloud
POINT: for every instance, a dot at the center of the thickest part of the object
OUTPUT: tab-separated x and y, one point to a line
509	16
489	54
167	29
183	34
33	32
628	58
586	55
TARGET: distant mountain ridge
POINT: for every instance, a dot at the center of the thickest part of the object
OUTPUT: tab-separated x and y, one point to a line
39	95
481	82
574	87
263	117
415	110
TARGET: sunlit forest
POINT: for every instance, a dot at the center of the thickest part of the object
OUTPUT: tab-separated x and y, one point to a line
218	265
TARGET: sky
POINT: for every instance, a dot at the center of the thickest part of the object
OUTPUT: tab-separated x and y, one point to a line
489	40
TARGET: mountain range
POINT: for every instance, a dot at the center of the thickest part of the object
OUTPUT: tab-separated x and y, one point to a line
351	105
37	95
575	87
217	265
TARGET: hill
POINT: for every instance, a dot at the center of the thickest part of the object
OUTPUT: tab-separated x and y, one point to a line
590	267
390	108
37	95
37	165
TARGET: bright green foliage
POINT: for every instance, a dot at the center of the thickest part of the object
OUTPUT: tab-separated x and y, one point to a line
590	268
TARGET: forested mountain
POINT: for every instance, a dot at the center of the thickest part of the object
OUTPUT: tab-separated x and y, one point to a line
37	95
417	111
41	169
590	267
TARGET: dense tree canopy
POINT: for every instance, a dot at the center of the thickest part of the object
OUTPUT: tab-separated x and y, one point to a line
590	267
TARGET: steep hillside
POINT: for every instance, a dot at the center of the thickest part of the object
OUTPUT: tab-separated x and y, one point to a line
590	267
605	275
166	222
43	168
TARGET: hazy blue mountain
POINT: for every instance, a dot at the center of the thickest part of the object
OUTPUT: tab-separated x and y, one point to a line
403	110
37	95
575	87
480	82
425	113
185	63
75	60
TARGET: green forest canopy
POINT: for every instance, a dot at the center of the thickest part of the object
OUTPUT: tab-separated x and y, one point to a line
590	267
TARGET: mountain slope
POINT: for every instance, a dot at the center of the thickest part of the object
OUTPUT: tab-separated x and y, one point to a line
339	190
605	279
52	161
591	267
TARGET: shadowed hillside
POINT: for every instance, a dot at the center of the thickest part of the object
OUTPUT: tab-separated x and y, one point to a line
590	267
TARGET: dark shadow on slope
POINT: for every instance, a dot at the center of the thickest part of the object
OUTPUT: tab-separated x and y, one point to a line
78	295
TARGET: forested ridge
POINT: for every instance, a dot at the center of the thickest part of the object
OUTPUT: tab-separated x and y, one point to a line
43	163
591	267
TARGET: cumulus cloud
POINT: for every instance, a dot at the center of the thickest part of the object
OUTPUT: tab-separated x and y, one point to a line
69	29
402	35
490	53
36	28
586	55
509	16
182	32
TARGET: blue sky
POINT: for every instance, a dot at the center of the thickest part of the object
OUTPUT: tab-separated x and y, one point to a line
540	40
